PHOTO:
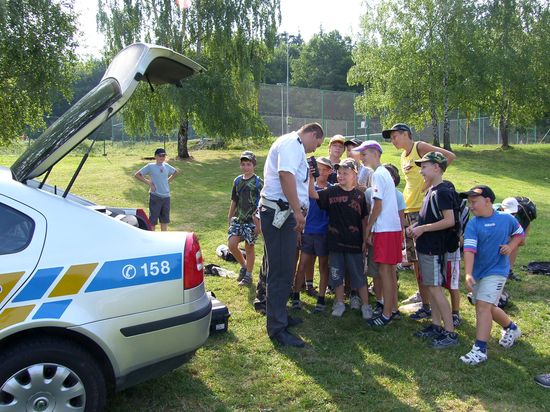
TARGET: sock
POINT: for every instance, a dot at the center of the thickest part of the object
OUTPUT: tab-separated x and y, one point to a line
296	296
381	301
481	345
456	312
321	300
512	326
309	284
385	318
248	273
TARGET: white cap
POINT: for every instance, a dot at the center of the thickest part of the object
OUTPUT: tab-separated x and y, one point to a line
509	205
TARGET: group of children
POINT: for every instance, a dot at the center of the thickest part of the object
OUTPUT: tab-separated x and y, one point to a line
356	214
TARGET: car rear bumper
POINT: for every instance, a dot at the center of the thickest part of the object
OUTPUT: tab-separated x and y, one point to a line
147	344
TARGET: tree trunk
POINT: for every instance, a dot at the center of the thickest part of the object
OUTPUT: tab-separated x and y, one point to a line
435	124
503	122
183	138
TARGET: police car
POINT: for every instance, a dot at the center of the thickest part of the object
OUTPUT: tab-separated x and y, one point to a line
89	303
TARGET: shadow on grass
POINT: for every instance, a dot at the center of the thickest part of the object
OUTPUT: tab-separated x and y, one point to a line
360	377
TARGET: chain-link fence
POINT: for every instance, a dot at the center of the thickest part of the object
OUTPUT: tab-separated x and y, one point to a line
285	109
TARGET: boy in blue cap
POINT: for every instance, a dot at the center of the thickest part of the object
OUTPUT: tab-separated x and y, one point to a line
489	239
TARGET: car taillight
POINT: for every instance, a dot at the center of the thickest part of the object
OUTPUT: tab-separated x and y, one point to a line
193	266
140	213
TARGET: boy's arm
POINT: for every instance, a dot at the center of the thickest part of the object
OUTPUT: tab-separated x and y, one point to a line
364	224
148	182
375	212
468	269
424	148
512	244
445	223
173	175
232	209
311	188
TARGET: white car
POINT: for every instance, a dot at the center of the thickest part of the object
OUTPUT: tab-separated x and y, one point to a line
89	303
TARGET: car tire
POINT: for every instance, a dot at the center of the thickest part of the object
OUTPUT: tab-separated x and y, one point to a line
49	374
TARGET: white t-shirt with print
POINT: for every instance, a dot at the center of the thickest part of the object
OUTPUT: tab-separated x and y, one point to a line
383	188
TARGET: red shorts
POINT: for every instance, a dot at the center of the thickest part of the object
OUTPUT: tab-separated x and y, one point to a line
387	247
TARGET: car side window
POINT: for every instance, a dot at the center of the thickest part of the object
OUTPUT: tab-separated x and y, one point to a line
16	230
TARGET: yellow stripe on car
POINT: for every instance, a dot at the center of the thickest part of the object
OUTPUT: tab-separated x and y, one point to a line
11	316
73	280
7	282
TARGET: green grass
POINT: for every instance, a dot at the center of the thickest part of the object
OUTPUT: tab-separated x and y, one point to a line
345	366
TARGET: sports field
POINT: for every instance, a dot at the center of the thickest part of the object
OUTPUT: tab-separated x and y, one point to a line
345	366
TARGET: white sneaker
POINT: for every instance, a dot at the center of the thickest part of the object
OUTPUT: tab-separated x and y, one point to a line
338	309
355	302
366	311
509	336
474	357
414	298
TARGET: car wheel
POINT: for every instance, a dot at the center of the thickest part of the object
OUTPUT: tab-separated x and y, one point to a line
49	374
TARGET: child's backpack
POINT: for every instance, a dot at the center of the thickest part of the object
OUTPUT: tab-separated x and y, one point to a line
541	268
461	214
527	208
240	178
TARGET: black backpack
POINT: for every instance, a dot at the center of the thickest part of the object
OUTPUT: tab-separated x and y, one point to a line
461	214
527	208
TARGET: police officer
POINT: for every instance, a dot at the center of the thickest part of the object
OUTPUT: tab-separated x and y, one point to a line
283	205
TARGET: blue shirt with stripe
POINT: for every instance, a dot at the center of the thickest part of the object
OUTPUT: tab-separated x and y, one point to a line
484	236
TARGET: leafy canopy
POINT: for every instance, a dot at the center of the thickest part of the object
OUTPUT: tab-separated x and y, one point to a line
37	53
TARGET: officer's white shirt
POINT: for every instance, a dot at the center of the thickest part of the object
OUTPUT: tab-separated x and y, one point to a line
287	154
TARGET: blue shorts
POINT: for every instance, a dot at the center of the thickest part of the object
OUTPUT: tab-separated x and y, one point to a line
342	263
315	244
244	230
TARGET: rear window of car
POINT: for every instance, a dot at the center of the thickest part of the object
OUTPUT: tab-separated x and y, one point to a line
16	230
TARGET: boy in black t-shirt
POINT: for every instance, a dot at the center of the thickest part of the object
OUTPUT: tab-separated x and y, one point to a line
348	214
430	234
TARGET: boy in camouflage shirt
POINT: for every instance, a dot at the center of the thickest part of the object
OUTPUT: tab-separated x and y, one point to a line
243	222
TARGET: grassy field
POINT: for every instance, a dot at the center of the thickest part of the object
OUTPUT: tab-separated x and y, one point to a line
345	365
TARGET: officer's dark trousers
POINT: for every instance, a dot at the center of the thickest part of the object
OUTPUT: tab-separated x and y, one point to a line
280	245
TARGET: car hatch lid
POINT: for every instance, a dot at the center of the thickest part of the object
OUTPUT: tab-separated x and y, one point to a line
137	62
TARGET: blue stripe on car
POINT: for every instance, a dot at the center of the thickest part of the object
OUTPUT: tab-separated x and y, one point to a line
52	310
137	271
38	285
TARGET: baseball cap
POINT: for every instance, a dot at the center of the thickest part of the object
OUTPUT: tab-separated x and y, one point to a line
160	151
433	157
248	155
337	138
354	141
324	161
510	205
386	134
480	190
368	144
348	163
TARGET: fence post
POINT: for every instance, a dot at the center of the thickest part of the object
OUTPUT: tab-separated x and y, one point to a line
478	127
323	108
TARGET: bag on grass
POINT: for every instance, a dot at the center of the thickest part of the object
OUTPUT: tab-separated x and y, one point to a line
540	268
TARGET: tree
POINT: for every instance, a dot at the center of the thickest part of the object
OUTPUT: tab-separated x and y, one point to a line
275	70
36	56
513	93
232	39
324	62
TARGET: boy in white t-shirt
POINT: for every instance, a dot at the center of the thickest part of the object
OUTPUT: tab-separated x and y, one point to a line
383	228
